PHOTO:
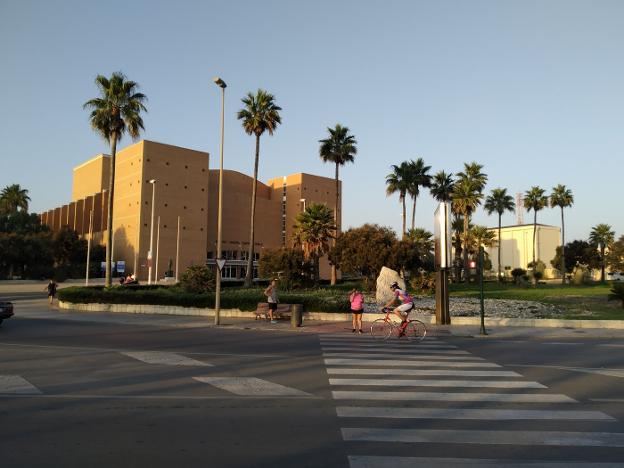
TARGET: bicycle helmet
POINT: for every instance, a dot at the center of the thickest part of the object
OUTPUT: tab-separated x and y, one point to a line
394	285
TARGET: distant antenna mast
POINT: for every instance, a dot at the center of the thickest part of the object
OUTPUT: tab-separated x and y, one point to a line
519	208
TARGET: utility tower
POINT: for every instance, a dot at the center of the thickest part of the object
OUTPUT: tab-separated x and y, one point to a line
519	208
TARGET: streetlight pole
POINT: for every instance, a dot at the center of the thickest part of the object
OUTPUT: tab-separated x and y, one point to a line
149	254
221	84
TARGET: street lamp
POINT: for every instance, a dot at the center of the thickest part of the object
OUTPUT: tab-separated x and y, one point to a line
221	84
149	253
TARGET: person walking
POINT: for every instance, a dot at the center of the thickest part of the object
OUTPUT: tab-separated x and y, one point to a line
271	293
51	288
356	298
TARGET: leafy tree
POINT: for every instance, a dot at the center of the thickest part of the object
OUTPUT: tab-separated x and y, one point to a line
259	115
68	247
441	187
287	264
398	181
314	228
577	252
602	237
535	200
13	198
364	250
406	257
22	222
499	202
617	293
615	257
115	112
339	148
563	198
418	176
466	198
198	279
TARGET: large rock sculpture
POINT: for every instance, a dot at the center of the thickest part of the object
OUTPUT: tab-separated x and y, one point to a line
386	277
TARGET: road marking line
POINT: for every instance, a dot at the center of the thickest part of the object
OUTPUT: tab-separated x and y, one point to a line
164	358
397	350
87	396
406	355
468	413
421	372
550	438
585	370
440	396
251	386
436	383
609	345
608	400
363	461
399	363
15	384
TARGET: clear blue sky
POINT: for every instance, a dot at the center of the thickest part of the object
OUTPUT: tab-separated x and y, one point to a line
533	90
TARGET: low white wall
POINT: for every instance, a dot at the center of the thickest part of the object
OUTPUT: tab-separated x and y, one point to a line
339	317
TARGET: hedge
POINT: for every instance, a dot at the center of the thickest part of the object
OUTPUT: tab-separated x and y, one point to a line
231	298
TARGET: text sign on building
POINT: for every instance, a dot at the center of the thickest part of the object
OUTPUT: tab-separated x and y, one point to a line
121	266
442	235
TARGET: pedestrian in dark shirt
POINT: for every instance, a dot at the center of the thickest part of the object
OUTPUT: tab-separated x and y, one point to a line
51	288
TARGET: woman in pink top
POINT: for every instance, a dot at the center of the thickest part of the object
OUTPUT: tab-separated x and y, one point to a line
356	298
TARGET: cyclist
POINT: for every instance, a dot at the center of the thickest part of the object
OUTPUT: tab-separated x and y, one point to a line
406	306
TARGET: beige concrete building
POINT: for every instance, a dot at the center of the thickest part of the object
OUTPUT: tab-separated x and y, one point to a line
517	247
185	191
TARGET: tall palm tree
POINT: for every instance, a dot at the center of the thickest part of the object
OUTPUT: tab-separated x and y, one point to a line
398	181
498	201
441	187
13	198
563	198
467	196
339	148
535	200
313	230
418	177
602	236
480	236
259	115
115	112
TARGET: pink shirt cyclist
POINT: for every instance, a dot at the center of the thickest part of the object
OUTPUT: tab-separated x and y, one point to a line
407	304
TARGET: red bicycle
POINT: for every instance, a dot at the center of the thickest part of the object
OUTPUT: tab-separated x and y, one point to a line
384	328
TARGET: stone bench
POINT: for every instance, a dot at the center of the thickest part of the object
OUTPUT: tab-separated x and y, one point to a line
262	310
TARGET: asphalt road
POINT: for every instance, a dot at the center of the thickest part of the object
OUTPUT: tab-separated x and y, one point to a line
112	391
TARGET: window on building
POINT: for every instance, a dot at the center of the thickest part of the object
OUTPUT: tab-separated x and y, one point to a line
228	272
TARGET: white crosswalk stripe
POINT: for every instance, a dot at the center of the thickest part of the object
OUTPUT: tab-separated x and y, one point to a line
17	385
252	386
164	358
353	361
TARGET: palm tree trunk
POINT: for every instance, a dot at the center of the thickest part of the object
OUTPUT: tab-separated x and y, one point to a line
403	236
317	269
249	272
109	220
414	213
534	231
333	267
602	263
563	273
465	252
500	278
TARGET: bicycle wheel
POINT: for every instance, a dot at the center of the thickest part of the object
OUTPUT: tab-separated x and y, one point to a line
380	329
415	330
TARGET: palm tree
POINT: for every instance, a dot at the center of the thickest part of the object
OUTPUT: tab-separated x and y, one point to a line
563	198
480	236
13	198
441	187
535	200
467	196
398	181
312	231
115	112
418	177
339	149
498	201
422	239
259	115
602	237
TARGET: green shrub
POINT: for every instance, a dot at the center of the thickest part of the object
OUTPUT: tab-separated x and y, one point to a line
424	283
617	293
198	279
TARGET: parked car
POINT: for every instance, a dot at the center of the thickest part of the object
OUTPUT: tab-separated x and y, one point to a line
615	276
6	310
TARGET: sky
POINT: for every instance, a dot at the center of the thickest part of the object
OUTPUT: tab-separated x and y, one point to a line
532	90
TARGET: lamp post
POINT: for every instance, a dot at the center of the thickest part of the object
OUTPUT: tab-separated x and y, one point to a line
149	254
221	84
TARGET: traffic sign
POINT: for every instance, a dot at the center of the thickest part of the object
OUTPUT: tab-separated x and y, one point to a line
220	263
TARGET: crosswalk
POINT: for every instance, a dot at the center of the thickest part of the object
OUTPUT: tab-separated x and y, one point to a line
410	399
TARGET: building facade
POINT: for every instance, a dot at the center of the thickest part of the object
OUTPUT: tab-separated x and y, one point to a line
517	247
185	194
